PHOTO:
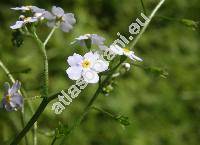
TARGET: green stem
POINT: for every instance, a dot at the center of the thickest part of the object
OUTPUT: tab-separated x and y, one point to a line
35	133
13	81
49	36
148	22
7	72
54	140
30	123
46	71
103	111
23	125
143	7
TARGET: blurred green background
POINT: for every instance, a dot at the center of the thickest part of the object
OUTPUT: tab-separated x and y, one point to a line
162	111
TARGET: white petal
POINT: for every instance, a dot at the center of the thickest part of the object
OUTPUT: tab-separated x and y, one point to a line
57	11
37	10
32	19
23	8
90	76
116	49
48	15
66	27
75	60
134	57
16	100
17	25
100	66
96	39
103	47
91	56
69	17
74	72
16	86
82	37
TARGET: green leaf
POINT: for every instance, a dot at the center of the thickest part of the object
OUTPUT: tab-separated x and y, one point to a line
124	120
61	130
156	72
190	23
25	71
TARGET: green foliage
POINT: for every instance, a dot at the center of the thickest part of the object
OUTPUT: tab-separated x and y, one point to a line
17	38
161	111
61	130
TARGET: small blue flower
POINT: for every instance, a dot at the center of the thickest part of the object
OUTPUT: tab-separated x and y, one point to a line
23	21
29	8
12	99
95	40
57	17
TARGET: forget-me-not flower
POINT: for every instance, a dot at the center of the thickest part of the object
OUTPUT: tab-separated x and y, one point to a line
23	21
12	99
57	17
87	66
95	39
124	51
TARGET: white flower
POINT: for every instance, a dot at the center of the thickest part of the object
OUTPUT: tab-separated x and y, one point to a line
95	39
22	8
124	51
87	66
29	8
23	21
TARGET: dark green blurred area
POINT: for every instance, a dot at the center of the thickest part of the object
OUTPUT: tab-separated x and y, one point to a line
162	111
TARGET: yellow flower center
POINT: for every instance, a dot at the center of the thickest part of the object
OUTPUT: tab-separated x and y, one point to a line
27	19
8	98
86	64
126	50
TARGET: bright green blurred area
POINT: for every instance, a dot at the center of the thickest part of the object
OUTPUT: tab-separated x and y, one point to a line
162	111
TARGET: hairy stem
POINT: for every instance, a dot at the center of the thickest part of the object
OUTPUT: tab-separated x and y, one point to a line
46	71
148	22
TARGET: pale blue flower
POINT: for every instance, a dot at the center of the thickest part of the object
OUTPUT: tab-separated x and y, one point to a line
115	49
34	9
95	39
87	66
12	99
57	17
23	21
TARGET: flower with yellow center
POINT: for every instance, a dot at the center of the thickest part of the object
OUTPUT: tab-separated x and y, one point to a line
124	51
12	99
8	98
87	66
